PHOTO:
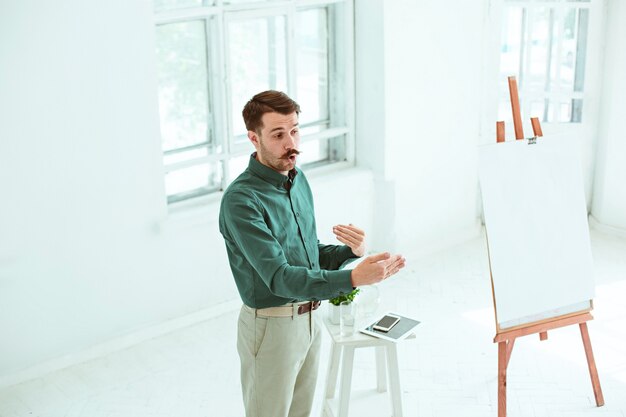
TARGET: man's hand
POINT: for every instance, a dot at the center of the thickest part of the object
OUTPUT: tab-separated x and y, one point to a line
376	268
351	236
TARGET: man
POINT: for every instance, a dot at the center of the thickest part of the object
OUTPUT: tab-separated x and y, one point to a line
281	270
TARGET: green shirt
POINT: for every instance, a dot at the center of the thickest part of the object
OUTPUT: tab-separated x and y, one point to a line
268	222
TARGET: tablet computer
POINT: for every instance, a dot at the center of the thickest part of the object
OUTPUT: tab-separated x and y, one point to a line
400	330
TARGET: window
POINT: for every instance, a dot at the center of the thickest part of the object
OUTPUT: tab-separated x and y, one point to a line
212	56
544	44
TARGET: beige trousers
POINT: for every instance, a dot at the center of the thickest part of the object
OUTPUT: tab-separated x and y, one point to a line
279	363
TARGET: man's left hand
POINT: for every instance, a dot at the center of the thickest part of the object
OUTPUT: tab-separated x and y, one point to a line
351	236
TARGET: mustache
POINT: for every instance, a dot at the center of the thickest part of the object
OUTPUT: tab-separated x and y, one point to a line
292	152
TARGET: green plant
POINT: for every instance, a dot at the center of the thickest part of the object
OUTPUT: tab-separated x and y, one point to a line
344	297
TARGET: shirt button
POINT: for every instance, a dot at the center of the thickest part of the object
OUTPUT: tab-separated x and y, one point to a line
298	214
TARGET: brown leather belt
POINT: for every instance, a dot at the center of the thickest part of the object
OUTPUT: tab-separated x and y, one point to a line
288	310
310	306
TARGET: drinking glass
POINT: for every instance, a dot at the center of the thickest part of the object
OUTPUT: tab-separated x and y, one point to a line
347	315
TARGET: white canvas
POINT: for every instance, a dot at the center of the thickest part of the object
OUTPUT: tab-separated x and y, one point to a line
537	230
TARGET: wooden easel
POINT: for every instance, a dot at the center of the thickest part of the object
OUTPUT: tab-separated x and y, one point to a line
506	338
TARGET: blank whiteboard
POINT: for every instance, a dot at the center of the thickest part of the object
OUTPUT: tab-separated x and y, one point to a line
537	230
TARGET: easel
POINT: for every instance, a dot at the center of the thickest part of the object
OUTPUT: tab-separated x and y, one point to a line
506	338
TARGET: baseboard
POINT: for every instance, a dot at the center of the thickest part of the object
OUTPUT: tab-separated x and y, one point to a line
120	343
604	228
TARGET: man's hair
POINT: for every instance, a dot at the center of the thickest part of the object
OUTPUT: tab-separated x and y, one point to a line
267	102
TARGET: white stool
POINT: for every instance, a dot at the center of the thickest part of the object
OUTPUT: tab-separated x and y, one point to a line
345	346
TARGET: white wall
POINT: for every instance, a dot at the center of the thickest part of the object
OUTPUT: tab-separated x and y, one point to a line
418	114
88	251
609	198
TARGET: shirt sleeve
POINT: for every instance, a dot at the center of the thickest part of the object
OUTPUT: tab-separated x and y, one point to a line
333	256
245	224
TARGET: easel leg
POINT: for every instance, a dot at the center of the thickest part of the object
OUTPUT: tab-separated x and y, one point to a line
502	364
593	371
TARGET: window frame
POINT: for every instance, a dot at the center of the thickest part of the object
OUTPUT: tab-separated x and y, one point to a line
529	95
340	131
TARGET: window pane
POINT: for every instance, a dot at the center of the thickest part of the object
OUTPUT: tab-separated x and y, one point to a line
183	84
162	5
172	158
577	110
203	177
538	109
581	49
309	130
540	44
560	111
322	151
566	111
314	151
511	48
257	52
237	165
569	67
227	2
504	109
312	80
567	59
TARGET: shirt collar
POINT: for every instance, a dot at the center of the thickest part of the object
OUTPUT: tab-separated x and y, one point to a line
268	174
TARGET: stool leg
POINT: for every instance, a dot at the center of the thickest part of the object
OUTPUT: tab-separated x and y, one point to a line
346	380
394	380
381	371
333	368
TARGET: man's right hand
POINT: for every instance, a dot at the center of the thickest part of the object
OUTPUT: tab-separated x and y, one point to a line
376	268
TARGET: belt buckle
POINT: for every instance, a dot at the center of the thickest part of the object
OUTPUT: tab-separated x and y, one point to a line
307	307
304	308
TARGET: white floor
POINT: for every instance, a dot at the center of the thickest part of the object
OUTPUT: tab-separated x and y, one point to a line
448	370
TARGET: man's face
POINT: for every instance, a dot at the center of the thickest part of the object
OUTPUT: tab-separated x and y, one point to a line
277	143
